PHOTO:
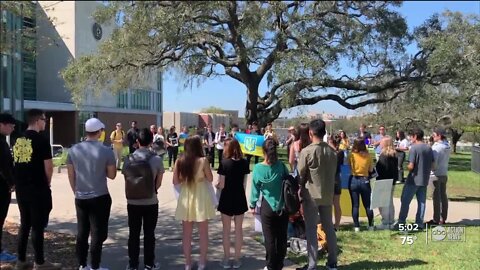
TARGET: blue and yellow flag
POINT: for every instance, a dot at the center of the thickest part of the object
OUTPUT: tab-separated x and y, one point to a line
250	144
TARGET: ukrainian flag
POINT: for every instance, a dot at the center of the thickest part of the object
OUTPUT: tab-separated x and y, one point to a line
250	144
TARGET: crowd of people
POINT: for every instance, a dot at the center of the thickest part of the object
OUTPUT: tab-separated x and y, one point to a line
315	159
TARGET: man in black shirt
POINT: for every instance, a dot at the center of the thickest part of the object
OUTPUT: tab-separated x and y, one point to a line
7	124
32	155
132	135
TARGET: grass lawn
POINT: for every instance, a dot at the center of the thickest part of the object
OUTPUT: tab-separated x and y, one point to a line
384	250
463	184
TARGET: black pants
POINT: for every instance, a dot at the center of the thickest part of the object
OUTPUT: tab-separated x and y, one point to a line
5	198
92	216
275	233
148	214
249	157
401	159
220	156
172	153
35	206
210	153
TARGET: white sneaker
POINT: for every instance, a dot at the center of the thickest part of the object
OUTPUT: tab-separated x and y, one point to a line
84	268
356	229
155	266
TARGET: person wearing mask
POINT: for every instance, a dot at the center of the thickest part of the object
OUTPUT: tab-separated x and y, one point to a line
117	137
267	180
441	153
303	140
420	164
220	137
7	125
359	184
402	145
232	177
377	139
144	210
317	167
192	175
89	164
172	146
209	142
32	155
132	135
387	168
337	191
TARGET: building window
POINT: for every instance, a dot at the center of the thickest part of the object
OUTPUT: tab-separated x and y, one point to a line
122	100
141	100
159	102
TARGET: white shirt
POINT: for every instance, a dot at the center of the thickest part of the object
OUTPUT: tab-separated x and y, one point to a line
219	138
404	144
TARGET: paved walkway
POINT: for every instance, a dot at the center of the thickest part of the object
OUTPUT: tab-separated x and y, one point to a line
168	232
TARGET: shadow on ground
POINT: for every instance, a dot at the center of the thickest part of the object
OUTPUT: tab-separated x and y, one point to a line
370	265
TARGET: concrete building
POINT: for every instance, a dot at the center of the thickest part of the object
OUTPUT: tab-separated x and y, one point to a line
71	32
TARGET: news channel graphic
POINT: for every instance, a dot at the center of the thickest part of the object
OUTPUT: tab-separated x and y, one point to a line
408	234
446	233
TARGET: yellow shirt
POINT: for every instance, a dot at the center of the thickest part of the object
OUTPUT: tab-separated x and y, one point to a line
344	144
117	136
360	164
102	136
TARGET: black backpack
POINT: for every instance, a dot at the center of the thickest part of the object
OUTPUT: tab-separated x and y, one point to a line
139	182
290	194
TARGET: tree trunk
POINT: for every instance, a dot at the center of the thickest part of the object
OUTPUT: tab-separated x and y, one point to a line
456	135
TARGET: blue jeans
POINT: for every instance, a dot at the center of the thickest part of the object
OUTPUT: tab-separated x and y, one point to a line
359	186
409	190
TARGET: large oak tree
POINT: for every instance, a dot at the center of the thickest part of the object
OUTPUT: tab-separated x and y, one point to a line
351	52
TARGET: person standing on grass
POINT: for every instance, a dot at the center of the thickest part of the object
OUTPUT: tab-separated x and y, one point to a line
290	139
144	210
89	164
220	137
317	166
359	185
441	153
344	144
387	168
7	125
132	134
420	163
267	180
337	190
209	143
376	141
192	174
401	148
32	155
254	131
117	137
172	147
270	133
232	176
364	134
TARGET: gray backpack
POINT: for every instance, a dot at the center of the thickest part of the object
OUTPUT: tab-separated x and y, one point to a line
139	182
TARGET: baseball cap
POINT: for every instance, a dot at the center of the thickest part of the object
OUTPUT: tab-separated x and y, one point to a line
6	118
93	125
440	131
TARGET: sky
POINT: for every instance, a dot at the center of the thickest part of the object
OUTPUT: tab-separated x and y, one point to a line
228	94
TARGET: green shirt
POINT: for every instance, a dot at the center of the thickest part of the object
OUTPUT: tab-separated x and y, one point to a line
317	166
267	180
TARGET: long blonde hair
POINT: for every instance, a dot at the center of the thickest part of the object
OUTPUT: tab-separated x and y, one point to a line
387	146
